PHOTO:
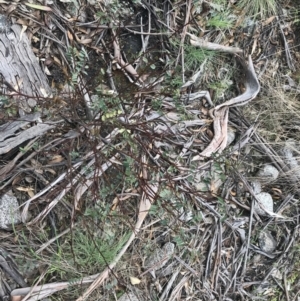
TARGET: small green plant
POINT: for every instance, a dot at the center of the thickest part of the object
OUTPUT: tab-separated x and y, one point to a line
220	17
74	155
77	60
193	56
258	8
219	87
130	176
85	253
221	21
4	100
109	106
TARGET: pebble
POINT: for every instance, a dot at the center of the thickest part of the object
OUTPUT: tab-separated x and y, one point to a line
231	133
160	257
256	186
267	242
267	174
9	210
266	201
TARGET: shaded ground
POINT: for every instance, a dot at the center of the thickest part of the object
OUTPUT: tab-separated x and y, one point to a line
119	187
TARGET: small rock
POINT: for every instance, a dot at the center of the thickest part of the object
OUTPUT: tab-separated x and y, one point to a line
256	186
268	174
267	242
265	202
277	274
9	210
160	257
257	258
230	135
290	159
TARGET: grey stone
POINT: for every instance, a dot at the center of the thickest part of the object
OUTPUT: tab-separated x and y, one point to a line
267	242
267	174
231	133
265	202
256	186
9	210
160	257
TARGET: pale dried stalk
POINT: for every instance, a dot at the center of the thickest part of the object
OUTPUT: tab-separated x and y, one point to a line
198	42
117	56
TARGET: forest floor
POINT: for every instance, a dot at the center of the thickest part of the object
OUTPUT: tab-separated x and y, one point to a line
170	171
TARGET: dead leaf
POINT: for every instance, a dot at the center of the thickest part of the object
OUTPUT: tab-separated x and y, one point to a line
86	41
29	190
268	21
70	36
52	171
134	280
39	7
56	159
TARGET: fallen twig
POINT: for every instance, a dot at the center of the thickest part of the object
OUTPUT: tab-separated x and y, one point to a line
198	42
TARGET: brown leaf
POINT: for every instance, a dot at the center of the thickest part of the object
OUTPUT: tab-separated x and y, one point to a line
56	159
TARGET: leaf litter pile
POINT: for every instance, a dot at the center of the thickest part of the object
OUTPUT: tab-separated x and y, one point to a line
161	162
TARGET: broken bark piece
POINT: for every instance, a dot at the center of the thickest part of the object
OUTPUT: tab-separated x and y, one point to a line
13	134
5	24
19	68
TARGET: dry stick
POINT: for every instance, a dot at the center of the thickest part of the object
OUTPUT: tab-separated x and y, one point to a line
210	252
286	48
89	180
183	35
41	277
252	87
80	189
63	192
216	270
198	42
42	291
8	167
150	33
145	40
248	239
174	295
118	57
186	265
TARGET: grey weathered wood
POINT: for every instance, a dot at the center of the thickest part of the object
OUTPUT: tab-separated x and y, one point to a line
20	69
19	138
10	128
